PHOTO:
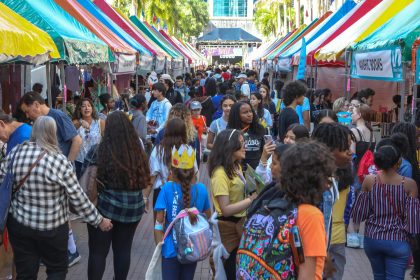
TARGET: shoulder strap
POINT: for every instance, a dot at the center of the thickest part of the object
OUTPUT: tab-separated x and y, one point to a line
390	200
182	214
21	182
360	134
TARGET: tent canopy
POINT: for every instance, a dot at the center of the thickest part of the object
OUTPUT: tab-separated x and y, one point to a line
369	22
169	49
400	31
96	12
169	39
342	12
228	34
116	44
128	28
75	43
19	39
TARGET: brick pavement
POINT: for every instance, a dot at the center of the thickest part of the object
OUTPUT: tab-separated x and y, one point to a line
357	267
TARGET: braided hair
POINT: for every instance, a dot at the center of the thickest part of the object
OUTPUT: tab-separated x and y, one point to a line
334	135
185	177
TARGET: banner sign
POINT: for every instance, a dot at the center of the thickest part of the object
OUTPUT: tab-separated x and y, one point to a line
160	64
146	63
385	65
124	63
177	64
223	52
284	65
418	66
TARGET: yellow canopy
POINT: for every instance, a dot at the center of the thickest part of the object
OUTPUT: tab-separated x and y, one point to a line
361	29
20	39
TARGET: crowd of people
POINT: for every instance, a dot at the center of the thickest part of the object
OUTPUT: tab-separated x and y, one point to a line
327	184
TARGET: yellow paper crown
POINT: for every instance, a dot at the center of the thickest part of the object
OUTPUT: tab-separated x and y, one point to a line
184	157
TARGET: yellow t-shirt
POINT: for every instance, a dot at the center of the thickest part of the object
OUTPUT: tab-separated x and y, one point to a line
338	234
222	185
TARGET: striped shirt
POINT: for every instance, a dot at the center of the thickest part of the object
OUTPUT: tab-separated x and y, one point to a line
385	219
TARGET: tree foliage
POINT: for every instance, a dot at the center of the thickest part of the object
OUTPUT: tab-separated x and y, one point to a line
184	18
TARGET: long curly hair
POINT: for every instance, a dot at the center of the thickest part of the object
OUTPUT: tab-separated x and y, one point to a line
122	161
181	111
175	135
236	123
305	172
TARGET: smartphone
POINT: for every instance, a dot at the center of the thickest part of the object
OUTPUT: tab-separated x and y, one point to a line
268	139
297	246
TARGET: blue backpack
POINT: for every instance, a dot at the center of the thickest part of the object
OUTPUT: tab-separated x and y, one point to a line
6	189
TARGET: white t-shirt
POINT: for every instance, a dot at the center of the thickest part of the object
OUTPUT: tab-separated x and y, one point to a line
246	90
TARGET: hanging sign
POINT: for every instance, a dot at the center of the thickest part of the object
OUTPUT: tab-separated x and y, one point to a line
124	63
385	65
146	63
160	64
418	66
284	65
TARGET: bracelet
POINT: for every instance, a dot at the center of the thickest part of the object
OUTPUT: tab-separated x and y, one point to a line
159	227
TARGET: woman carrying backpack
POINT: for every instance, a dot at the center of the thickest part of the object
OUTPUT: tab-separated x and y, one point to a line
228	193
389	204
176	195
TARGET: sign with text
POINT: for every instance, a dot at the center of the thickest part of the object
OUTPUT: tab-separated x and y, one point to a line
124	63
146	63
160	64
284	65
383	65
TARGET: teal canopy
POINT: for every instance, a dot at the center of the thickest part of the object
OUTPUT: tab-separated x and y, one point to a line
399	32
75	43
166	47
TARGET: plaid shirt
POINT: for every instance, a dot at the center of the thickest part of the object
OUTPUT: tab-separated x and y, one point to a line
42	201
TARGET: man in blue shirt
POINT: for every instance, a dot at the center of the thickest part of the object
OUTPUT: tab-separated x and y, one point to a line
12	132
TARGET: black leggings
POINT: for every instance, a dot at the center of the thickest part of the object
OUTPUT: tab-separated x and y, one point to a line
121	236
230	265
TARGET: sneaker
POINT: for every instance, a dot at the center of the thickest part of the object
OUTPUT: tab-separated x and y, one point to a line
361	241
353	240
74	258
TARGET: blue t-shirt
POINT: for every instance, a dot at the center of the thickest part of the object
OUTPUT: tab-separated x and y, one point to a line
216	104
406	170
306	106
20	135
170	200
65	130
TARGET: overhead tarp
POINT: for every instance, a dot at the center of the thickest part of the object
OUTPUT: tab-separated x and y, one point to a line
169	39
380	56
276	43
352	17
96	12
299	36
75	43
416	62
153	37
21	40
116	44
227	35
121	22
368	23
286	42
337	16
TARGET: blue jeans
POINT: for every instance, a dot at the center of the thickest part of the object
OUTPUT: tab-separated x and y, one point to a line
177	270
388	258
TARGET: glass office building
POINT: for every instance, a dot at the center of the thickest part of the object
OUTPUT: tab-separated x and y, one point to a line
229	8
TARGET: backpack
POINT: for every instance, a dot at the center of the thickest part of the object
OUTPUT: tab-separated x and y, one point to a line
252	87
265	250
193	241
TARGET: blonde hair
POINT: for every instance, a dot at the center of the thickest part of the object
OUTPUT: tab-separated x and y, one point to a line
181	111
339	104
44	134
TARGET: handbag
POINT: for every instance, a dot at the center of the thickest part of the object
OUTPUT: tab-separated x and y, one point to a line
154	270
412	238
6	188
89	182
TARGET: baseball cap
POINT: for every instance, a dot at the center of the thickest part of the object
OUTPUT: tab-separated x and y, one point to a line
241	76
195	105
166	77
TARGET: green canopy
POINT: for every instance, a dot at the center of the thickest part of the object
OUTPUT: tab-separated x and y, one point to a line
75	43
399	32
166	47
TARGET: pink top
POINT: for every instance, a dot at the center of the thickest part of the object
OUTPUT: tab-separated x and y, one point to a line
389	212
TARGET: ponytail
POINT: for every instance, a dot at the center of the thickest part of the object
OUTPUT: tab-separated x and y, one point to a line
185	178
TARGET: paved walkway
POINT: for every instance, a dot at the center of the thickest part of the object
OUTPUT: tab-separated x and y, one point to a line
357	267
